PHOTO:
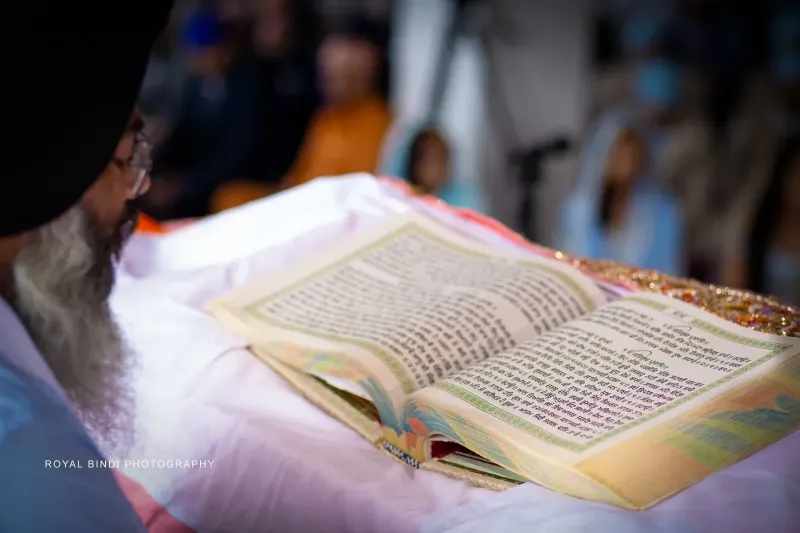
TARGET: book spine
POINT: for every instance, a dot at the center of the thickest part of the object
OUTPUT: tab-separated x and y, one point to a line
400	454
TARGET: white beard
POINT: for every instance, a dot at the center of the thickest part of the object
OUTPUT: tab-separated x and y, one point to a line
62	280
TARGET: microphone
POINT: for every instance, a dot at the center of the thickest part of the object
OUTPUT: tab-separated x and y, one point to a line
555	146
529	160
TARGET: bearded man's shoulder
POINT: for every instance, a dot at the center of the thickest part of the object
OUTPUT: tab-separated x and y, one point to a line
49	465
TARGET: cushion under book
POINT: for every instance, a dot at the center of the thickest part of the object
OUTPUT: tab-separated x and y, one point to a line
502	368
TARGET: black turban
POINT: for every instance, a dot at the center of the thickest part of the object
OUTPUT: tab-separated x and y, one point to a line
71	75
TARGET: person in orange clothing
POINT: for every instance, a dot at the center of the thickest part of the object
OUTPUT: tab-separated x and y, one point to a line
347	133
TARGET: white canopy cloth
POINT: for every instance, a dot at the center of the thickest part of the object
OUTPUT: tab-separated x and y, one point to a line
279	463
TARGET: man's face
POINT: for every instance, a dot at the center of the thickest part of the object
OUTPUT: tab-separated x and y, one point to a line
109	201
63	276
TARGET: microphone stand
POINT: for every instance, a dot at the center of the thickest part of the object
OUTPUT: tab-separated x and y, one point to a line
529	163
456	28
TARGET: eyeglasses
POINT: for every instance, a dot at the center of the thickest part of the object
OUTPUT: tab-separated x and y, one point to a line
138	165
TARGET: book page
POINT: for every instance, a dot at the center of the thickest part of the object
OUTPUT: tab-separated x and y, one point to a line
611	374
413	302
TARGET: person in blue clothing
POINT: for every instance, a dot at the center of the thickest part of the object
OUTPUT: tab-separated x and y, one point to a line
618	211
428	165
73	166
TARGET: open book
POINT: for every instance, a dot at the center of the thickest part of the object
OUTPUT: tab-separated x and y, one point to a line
517	367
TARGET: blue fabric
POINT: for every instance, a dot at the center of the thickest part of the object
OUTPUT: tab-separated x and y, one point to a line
35	427
653	237
396	164
658	83
203	29
460	195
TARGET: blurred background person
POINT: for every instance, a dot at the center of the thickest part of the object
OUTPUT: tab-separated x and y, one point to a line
618	210
347	132
283	45
236	15
640	38
315	104
645	35
215	128
676	143
422	157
